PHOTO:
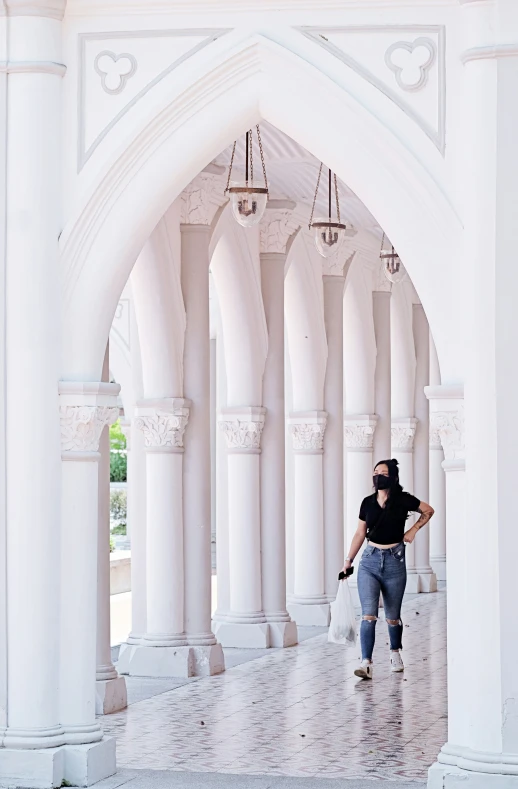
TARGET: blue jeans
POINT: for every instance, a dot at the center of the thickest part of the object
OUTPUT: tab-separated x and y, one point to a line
381	571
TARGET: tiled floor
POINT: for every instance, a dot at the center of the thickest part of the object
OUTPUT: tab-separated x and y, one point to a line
301	712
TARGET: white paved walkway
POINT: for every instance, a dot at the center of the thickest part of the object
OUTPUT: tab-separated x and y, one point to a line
301	712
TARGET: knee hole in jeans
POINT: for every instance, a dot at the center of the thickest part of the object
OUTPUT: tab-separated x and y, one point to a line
394	622
370	618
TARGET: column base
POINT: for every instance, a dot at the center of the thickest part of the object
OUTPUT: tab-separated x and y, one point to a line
439	568
427	582
125	652
445	776
144	661
283	634
310	614
87	764
208	661
110	696
413	583
38	769
245	636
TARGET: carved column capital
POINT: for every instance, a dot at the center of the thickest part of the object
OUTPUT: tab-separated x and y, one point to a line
276	229
84	410
447	422
359	432
202	198
163	423
243	428
403	434
307	429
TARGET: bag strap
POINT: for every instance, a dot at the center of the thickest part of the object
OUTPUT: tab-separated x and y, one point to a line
378	522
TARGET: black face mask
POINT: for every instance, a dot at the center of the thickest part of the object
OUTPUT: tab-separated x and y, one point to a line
381	482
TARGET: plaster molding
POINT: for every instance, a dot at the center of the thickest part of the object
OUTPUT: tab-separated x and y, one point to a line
52	9
243	428
359	432
489	52
403	58
84	154
107	64
84	411
438	136
307	431
338	265
32	67
163	423
447	421
381	283
126	431
276	230
82	425
202	198
149	7
402	434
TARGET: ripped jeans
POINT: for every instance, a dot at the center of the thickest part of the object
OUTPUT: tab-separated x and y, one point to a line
381	571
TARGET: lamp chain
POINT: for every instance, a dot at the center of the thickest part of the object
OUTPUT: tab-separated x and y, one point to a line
251	157
262	155
230	168
315	197
337	200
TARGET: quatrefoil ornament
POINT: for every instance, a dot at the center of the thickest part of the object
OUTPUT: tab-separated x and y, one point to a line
411	62
114	70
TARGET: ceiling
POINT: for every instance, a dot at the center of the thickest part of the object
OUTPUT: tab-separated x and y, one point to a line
292	174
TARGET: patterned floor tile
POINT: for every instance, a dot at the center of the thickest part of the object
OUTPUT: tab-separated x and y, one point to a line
301	712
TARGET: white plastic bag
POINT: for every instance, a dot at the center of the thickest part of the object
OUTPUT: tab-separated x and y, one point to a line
342	629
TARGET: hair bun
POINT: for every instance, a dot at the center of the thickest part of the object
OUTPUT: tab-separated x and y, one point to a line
395	462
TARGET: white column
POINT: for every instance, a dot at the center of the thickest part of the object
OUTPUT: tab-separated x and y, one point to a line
333	459
382	390
359	441
245	623
196	481
163	651
308	605
110	689
283	632
437	483
447	419
85	410
222	546
427	578
403	434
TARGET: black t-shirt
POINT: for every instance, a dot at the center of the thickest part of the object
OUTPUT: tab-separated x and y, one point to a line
387	526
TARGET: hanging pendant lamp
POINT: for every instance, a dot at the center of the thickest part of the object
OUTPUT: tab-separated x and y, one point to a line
329	233
392	265
248	201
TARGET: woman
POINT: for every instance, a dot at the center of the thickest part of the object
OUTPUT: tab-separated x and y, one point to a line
382	568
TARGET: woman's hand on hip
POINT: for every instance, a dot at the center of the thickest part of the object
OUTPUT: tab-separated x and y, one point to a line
410	535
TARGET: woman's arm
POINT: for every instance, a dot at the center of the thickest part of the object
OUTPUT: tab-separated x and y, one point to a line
426	513
356	543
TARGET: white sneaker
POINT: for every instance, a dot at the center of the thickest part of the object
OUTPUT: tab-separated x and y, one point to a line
396	662
365	670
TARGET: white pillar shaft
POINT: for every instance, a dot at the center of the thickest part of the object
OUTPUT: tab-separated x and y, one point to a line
222	536
79	600
273	473
244	535
422	443
406	477
437	484
359	483
137	484
196	480
333	458
164	551
32	357
309	527
382	378
105	669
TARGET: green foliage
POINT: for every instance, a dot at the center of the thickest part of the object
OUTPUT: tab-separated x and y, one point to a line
118	506
118	457
118	466
119	529
112	544
117	437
